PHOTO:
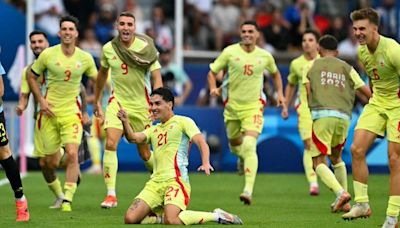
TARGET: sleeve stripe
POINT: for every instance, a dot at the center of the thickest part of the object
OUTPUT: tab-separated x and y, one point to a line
37	75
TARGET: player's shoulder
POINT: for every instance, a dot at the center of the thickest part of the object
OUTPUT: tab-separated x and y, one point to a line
182	119
107	46
83	53
298	60
261	51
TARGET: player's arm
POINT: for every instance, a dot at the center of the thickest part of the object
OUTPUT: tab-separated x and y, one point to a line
1	86
44	105
156	77
100	82
85	115
279	89
204	152
212	84
130	134
22	103
290	90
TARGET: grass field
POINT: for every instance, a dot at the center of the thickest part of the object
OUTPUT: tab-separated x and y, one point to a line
280	200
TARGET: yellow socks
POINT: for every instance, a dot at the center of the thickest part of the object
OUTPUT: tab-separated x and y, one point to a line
69	189
196	217
110	168
360	192
55	187
341	174
393	206
328	178
308	167
150	163
250	158
94	148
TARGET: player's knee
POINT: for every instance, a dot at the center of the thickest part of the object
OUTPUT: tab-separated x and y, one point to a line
394	163
42	163
357	151
111	144
169	220
131	219
249	144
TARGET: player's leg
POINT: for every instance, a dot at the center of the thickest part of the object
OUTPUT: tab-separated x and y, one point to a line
305	128
71	175
110	166
114	132
251	123
94	143
393	208
150	198
322	133
49	165
139	122
137	211
12	172
369	125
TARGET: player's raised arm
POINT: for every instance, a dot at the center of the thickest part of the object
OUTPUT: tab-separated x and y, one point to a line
205	153
130	134
156	77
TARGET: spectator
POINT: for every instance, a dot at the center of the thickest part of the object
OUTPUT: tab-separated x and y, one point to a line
337	28
85	11
277	33
47	15
90	44
133	7
224	22
389	15
104	27
174	78
163	32
348	47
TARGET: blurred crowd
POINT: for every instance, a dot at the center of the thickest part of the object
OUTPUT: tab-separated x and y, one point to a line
213	24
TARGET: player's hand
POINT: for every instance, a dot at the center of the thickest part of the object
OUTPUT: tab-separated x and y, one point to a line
45	108
98	111
19	110
86	119
216	92
207	168
281	102
122	115
285	113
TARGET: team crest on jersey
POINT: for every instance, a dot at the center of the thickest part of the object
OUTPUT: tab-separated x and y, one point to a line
78	65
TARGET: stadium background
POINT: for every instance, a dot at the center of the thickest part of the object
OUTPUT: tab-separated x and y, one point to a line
279	146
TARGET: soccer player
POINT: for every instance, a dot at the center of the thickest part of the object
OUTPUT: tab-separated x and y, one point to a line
8	163
39	42
169	184
381	60
295	78
60	118
243	114
129	57
331	85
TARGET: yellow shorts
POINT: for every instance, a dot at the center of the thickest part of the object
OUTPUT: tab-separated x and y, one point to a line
157	194
138	120
237	122
58	131
37	142
377	119
328	133
304	121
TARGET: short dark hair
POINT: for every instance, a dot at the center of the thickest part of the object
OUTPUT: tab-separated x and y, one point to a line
328	42
126	14
314	32
166	94
365	13
37	32
70	18
250	23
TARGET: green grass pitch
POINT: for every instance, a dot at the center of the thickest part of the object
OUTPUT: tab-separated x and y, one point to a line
280	200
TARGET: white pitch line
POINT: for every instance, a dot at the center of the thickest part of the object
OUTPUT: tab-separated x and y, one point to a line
5	181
